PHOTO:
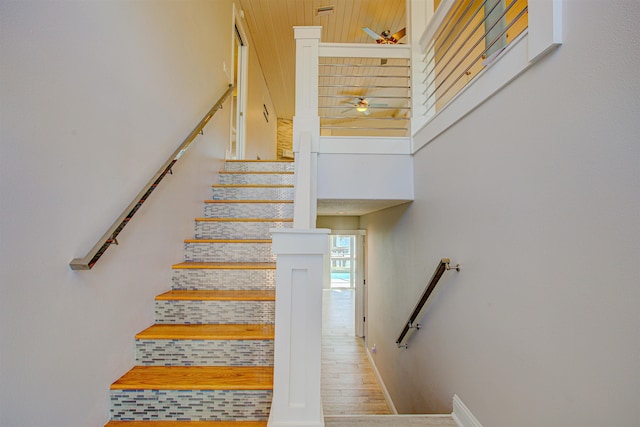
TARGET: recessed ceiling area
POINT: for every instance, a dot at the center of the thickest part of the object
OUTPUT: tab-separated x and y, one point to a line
335	207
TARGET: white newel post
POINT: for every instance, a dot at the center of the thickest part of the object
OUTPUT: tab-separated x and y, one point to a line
299	275
300	253
306	126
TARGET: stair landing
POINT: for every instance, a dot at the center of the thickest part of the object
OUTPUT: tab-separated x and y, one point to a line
390	421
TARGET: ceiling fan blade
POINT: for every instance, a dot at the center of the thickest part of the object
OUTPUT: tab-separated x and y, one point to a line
356	94
372	33
378	105
395	38
367	112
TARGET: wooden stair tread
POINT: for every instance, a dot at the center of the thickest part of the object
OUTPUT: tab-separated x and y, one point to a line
258	161
225	265
245	219
248	201
218	295
186	424
227	241
252	185
196	378
207	332
256	172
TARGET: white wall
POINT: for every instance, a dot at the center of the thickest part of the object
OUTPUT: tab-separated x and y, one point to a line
537	194
365	176
94	97
338	222
261	136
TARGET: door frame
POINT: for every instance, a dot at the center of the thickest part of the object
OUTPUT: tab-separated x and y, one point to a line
241	85
360	311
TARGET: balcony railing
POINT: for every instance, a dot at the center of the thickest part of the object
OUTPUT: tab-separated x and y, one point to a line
361	96
463	38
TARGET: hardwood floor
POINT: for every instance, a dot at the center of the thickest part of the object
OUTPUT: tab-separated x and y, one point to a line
349	384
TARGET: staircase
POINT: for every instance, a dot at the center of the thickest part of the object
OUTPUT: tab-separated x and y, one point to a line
208	360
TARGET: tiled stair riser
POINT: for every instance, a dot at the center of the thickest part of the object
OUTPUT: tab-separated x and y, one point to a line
190	405
228	252
237	230
214	279
219	312
204	352
247	178
248	210
252	193
259	166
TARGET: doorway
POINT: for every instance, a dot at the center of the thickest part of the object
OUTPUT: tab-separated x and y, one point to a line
238	100
347	276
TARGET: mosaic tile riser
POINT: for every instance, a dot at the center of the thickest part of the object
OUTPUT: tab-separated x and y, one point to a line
219	312
204	352
228	252
237	230
190	405
205	279
272	179
248	210
278	193
259	167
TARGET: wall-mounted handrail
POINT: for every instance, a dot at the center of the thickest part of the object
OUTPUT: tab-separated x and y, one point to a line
110	237
444	265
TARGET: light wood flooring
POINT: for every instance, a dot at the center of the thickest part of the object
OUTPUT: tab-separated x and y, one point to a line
349	384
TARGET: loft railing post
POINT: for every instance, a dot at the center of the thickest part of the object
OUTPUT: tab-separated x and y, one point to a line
306	126
300	267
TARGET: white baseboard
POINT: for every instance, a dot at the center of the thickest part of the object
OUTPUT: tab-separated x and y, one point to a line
385	392
462	415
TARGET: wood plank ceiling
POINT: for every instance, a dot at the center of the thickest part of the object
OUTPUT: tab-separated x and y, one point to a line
271	22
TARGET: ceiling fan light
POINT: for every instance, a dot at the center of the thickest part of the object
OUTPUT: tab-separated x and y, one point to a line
361	108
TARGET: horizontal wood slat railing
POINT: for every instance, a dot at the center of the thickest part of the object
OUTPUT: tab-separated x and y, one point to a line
444	265
110	236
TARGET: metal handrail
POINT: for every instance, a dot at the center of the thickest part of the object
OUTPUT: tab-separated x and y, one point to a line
110	237
444	265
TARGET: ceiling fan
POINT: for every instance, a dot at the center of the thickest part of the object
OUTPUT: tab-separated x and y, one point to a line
362	105
386	37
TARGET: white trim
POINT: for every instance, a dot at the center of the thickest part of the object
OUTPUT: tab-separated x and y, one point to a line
364	145
435	22
462	415
546	18
243	79
348	232
385	392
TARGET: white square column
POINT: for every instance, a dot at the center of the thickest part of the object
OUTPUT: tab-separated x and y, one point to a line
298	331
